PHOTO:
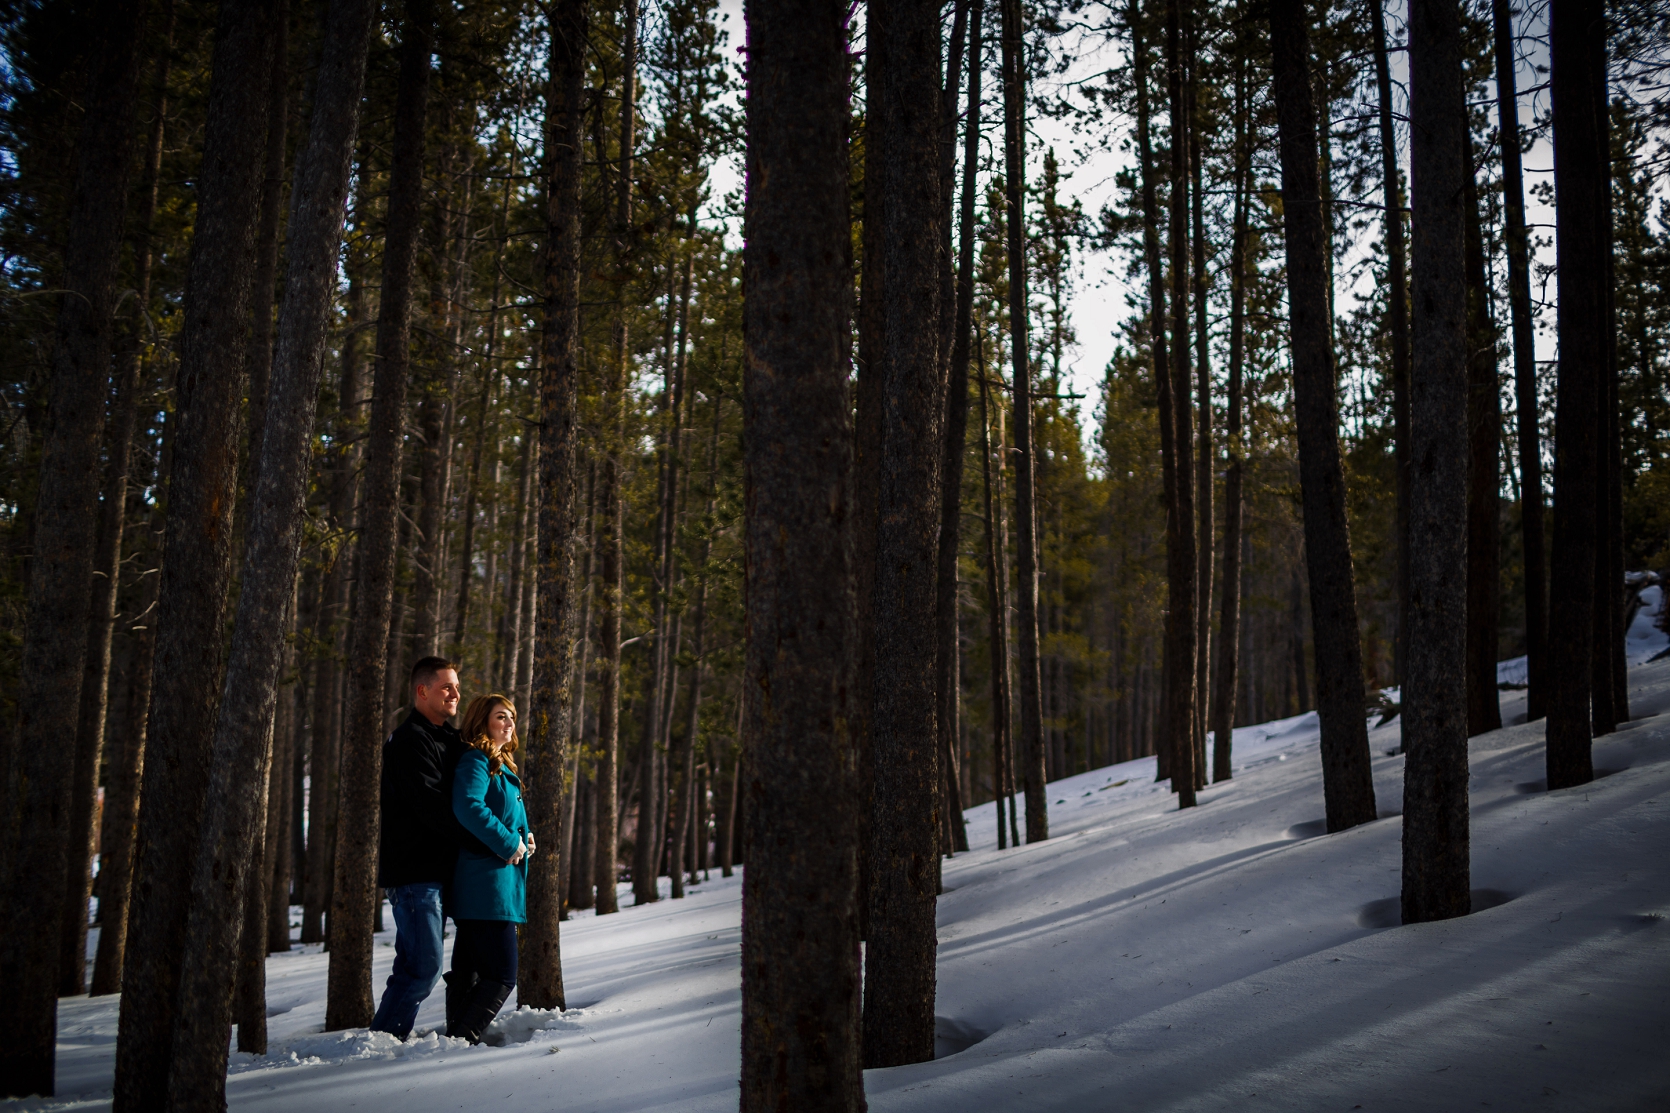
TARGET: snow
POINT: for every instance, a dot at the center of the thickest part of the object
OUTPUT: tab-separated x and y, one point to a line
1232	956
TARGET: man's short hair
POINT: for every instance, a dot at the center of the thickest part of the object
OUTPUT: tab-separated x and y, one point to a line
425	671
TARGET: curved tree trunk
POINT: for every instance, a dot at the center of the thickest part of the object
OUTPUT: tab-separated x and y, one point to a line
197	562
354	897
1348	782
121	806
243	734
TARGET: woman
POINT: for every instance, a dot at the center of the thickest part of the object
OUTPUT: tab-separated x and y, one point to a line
489	890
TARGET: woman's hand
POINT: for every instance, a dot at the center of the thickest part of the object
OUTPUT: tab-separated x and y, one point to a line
531	847
521	853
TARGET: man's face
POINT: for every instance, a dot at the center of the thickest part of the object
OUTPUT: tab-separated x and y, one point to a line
438	700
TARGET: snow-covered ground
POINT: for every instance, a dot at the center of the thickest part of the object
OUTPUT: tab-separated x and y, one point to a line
1228	957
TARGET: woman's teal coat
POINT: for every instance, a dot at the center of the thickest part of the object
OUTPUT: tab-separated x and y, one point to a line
487	886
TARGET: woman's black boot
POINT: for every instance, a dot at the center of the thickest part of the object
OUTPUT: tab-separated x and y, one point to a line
484	1002
458	986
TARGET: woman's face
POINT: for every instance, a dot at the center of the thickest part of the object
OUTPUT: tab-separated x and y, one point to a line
501	724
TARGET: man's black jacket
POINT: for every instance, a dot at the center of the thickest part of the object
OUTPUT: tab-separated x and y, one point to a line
420	836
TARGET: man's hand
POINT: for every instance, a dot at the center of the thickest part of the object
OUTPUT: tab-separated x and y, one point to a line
521	853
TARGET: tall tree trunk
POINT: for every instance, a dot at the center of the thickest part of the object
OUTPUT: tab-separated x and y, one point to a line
1182	594
540	981
1159	349
483	437
90	726
866	464
1484	432
1435	822
905	817
685	802
258	351
800	963
957	346
353	897
54	655
1229	620
121	810
1026	519
1397	298
280	812
1528	413
1348	782
610	600
243	733
997	608
126	763
318	873
249	994
197	563
1607	697
1576	32
1205	458
510	636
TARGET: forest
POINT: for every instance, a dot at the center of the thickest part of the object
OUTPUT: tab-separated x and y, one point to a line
709	383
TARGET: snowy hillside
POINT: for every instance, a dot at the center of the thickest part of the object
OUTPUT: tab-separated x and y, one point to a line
1229	957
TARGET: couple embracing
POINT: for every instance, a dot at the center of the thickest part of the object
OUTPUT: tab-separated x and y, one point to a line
455	842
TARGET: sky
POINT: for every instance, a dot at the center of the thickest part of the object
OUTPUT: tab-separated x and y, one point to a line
1091	163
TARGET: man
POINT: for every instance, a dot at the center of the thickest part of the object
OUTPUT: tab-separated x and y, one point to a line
420	838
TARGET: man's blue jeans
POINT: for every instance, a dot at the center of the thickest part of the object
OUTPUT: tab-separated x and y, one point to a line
417	956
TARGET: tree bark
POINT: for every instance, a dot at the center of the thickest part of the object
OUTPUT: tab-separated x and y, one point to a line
905	817
1348	782
1205	457
121	809
1159	349
54	655
281	808
353	898
1484	433
800	987
95	683
1229	620
258	352
1607	693
997	610
510	630
1528	413
1435	822
1026	522
1576	31
243	735
540	983
1182	593
197	563
956	412
1397	298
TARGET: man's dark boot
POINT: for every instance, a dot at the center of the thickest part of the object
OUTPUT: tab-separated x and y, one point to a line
458	986
484	1002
